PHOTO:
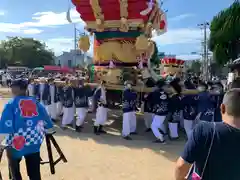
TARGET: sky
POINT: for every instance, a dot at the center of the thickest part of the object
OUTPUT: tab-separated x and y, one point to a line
45	20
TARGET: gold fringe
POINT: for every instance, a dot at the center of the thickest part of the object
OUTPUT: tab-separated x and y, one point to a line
148	29
141	43
124	15
149	26
133	23
98	15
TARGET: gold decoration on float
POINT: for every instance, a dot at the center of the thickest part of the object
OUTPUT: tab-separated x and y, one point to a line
114	50
109	50
124	15
84	43
98	15
141	43
112	24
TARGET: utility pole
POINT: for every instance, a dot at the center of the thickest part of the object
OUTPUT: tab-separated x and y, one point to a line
205	58
75	44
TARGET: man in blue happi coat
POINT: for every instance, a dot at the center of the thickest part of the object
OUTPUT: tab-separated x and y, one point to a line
189	102
66	96
205	103
52	107
147	107
31	86
175	108
129	111
100	104
42	92
160	104
23	125
81	95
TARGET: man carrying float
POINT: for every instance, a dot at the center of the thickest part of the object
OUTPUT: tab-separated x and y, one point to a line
52	108
81	95
100	103
160	101
129	111
66	96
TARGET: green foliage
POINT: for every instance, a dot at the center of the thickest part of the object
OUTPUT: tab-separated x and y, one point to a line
24	51
224	39
195	67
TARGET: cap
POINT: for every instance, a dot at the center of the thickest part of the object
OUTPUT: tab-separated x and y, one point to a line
21	83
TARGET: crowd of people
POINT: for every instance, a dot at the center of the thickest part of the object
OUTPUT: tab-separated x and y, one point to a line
163	112
39	102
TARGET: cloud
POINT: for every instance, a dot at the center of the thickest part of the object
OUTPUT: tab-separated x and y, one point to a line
32	31
61	44
181	17
188	57
180	36
48	19
58	45
41	20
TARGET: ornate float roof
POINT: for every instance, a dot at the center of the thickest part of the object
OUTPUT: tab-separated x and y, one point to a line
172	61
121	15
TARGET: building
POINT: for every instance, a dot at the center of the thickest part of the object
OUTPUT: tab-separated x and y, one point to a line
72	59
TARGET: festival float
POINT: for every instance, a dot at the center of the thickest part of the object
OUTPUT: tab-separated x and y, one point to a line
123	48
171	66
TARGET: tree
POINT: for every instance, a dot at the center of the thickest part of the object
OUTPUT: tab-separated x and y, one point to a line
195	67
24	51
224	39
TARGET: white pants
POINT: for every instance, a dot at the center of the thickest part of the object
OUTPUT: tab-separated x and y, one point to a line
68	116
59	108
188	126
129	123
173	129
101	116
52	110
181	120
148	118
158	123
81	115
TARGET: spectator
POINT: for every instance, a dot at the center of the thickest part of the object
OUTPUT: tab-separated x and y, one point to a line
213	148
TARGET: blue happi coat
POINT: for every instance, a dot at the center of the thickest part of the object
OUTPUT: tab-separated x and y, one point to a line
24	121
160	102
97	98
66	96
129	100
148	106
81	95
218	98
54	98
190	106
45	97
205	106
175	107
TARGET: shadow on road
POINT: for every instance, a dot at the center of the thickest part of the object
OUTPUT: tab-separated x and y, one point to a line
143	140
